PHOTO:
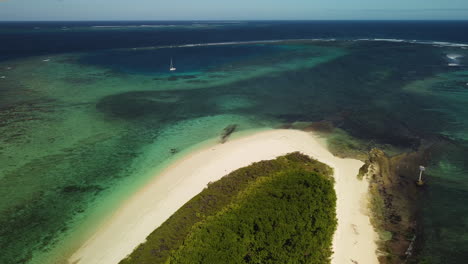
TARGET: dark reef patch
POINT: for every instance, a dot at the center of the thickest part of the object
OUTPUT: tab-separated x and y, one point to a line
181	77
132	105
397	202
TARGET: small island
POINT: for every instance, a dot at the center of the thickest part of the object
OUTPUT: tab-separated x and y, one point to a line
276	211
258	198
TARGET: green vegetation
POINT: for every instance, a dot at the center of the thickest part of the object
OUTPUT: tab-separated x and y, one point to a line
364	170
277	211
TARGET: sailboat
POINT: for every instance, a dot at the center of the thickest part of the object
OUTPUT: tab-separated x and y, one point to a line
172	68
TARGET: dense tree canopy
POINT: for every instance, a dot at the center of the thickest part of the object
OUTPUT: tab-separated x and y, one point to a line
278	211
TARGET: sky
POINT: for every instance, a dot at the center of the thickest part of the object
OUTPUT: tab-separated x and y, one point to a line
21	10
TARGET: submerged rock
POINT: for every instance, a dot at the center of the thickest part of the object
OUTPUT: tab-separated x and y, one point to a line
395	201
227	132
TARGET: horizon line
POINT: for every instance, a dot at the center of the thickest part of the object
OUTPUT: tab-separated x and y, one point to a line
238	20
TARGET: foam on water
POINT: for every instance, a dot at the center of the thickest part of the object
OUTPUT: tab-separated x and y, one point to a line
454	59
424	42
279	41
454	56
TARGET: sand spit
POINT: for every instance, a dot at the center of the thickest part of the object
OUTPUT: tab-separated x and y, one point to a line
354	240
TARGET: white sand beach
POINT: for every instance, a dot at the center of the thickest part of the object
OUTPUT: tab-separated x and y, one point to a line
354	238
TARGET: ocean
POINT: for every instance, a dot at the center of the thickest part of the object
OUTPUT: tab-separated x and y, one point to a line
89	111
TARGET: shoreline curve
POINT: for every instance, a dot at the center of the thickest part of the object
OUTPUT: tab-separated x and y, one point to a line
354	239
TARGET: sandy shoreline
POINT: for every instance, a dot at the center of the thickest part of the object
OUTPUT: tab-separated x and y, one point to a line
173	187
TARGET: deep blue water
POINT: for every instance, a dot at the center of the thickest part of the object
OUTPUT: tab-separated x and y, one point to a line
157	60
29	38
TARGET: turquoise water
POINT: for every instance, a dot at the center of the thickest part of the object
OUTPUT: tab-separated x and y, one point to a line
83	130
76	132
